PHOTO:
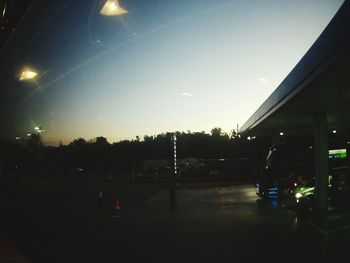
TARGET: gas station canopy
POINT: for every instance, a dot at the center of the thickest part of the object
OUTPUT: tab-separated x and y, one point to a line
319	83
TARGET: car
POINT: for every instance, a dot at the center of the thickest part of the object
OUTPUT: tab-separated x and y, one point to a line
338	191
289	171
283	170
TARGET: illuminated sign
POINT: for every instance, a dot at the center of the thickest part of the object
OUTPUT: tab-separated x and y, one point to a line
337	154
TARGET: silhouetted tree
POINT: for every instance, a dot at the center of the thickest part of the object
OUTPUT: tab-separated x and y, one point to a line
34	140
78	142
101	141
216	131
233	134
98	156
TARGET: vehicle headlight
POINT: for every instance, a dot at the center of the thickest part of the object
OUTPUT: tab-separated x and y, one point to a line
298	195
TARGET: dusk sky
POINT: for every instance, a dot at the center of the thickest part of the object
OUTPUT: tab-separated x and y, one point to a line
163	66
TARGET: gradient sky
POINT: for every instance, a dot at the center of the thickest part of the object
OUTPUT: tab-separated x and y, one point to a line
165	66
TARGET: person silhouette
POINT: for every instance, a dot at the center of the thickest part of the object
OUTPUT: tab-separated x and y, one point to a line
116	206
99	197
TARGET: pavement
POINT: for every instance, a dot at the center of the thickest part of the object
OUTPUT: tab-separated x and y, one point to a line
9	253
59	222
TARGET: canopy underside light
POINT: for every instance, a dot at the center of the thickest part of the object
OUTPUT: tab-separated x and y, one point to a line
112	8
28	74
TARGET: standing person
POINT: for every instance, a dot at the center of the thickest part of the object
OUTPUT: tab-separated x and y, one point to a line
116	206
99	197
172	197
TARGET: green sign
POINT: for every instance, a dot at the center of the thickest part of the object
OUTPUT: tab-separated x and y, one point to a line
337	154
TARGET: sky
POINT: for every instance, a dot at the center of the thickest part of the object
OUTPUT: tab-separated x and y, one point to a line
163	66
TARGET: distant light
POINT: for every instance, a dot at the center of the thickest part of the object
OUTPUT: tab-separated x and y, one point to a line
310	147
112	8
274	202
28	134
18	138
298	195
28	74
281	133
334	131
248	138
4	10
295	184
39	129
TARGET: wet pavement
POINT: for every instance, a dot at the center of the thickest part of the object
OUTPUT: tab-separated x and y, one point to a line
59	222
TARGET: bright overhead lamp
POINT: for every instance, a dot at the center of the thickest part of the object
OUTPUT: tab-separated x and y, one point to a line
112	8
28	74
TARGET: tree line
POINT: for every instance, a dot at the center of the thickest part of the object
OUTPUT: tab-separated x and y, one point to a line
100	156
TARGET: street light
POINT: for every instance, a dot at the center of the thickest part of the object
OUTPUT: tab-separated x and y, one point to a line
112	8
39	129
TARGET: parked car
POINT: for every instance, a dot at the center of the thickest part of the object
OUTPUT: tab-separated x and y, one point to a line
283	169
338	191
290	171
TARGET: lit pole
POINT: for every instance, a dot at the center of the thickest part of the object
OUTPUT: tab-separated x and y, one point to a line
174	148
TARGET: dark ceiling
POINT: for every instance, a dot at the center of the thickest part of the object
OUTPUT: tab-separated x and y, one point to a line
11	12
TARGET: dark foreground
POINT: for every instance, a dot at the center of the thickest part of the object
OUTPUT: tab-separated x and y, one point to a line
58	221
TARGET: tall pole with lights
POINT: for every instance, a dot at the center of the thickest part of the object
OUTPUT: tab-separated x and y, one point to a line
174	147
